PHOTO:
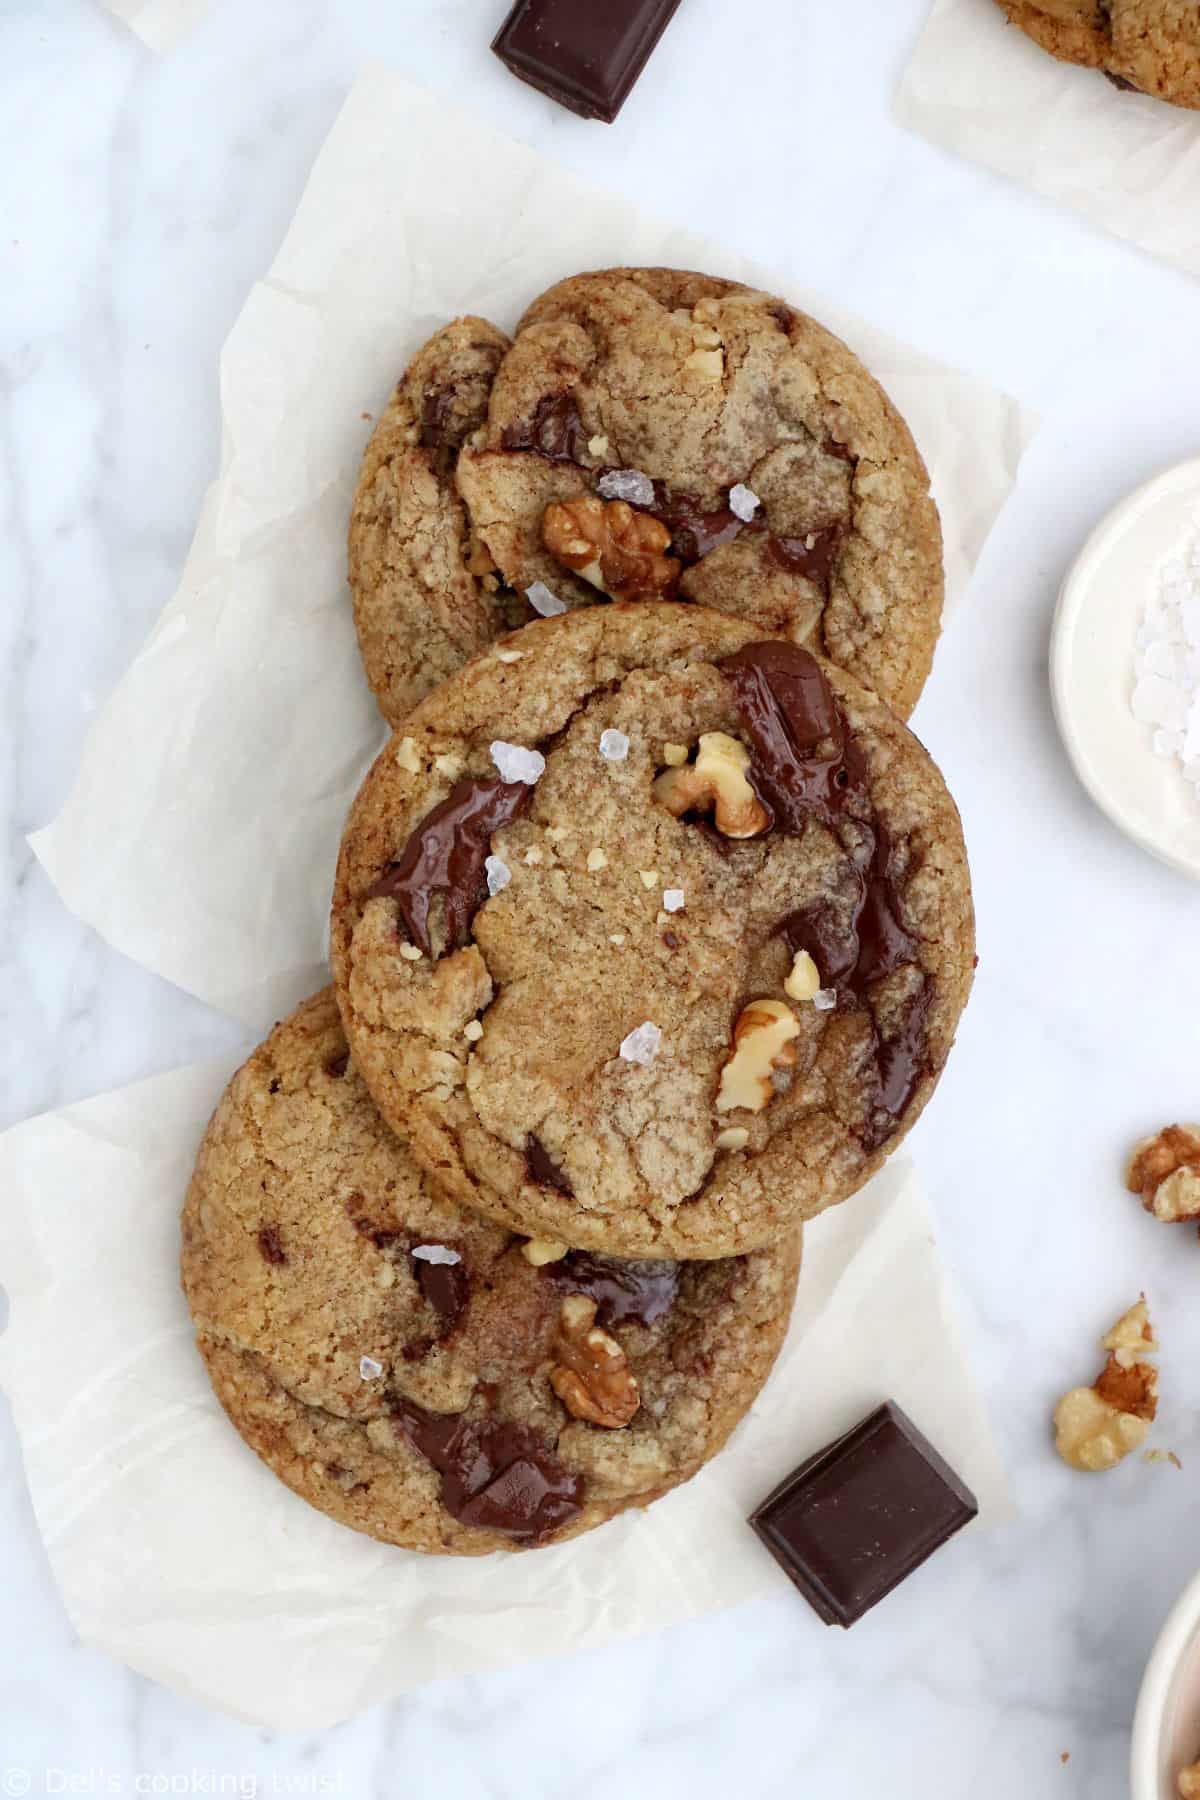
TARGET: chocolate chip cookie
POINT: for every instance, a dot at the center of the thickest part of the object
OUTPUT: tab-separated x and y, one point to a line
1150	46
651	934
648	434
420	1374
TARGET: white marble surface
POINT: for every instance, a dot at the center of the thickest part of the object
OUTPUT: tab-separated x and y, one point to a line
139	197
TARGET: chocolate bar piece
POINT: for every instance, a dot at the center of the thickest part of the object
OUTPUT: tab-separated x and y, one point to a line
854	1521
586	54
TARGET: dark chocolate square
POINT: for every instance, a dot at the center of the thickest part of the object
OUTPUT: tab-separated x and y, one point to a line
586	54
856	1519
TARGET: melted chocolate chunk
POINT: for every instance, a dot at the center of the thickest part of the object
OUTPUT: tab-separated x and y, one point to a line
270	1245
436	414
541	1168
445	856
446	1287
814	556
901	1063
556	431
495	1476
694	532
858	1518
625	1292
797	732
806	764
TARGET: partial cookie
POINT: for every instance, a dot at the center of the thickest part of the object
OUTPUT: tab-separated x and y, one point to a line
419	610
743	444
652	935
420	1374
1152	46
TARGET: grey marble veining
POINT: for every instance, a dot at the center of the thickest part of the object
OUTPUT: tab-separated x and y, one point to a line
139	198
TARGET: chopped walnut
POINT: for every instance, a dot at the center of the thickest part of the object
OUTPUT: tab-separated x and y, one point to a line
592	1377
1165	1171
1097	1427
715	782
762	1040
617	550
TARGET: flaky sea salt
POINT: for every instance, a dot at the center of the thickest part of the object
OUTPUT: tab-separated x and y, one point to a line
435	1253
498	874
642	1045
544	600
672	899
743	503
369	1369
825	999
1166	688
626	484
515	763
614	745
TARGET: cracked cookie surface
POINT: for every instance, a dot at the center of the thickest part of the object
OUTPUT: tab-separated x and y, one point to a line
787	486
1151	46
567	965
338	1347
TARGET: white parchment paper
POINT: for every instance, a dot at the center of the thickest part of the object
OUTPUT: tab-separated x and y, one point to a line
177	1551
158	22
980	87
202	833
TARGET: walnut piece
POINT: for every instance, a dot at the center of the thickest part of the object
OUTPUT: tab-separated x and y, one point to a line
540	1251
803	982
614	548
592	1377
1098	1427
1189	1782
716	781
1165	1171
762	1040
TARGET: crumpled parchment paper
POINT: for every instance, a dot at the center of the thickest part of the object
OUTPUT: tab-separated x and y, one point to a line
978	86
158	22
178	1552
202	833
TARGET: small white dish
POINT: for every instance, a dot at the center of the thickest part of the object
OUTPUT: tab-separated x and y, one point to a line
1166	1726
1092	652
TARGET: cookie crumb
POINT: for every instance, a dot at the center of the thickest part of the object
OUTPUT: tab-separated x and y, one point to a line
509	656
544	600
614	745
743	503
473	1031
435	1253
410	953
673	900
617	938
675	755
498	874
630	485
514	762
450	766
369	1369
598	446
736	1138
642	1045
596	859
649	877
407	757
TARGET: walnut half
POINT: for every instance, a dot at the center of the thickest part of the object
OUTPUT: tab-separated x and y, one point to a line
1097	1427
614	548
592	1377
1165	1171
